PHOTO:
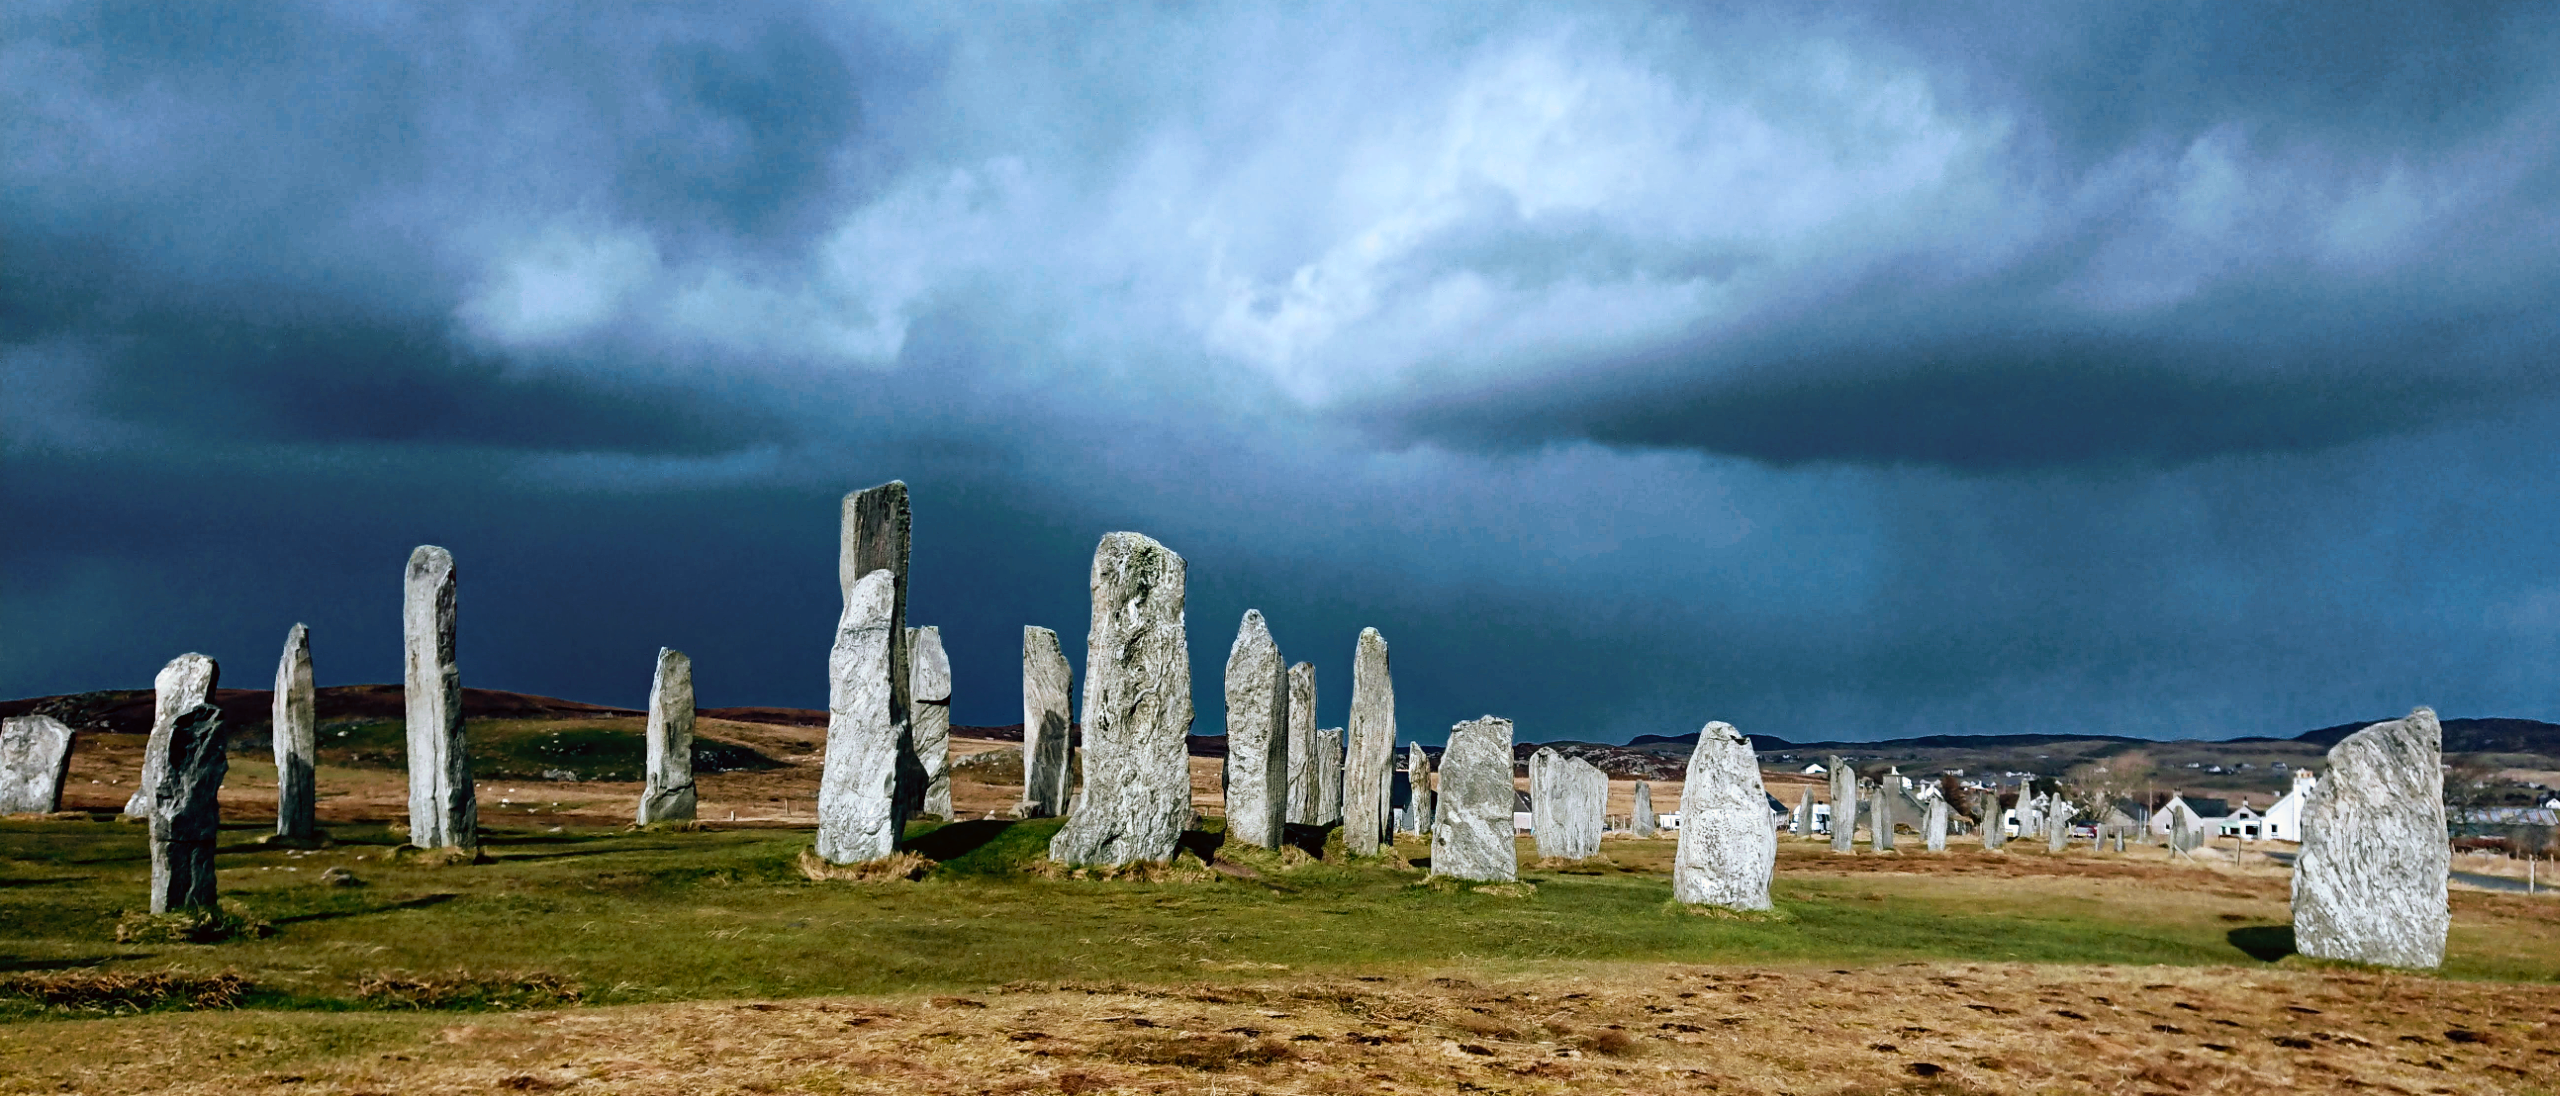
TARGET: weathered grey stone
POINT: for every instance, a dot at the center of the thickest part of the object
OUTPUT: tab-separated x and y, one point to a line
860	814
1568	801
1936	829
1257	736
2057	824
294	728
1728	848
666	790
1369	754
1804	812
35	756
1328	776
929	702
1880	824
1417	770
1994	828
1137	711
1844	805
1640	821
2369	885
1304	795
185	814
1472	837
2030	811
873	534
185	682
444	811
1047	682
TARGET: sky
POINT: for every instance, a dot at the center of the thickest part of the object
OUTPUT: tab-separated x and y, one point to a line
1839	371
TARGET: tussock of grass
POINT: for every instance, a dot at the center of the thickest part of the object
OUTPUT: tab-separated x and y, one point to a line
463	989
115	991
447	857
1679	908
1184	868
192	926
1507	890
1207	1053
897	867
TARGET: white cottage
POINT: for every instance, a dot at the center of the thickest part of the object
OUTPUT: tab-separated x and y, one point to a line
2283	822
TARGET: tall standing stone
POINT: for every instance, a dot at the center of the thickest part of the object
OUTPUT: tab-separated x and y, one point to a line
1369	755
35	757
1804	812
443	810
295	729
1137	711
1257	736
2369	884
1937	824
2057	824
929	701
1844	805
860	813
1640	820
873	534
666	789
1047	684
1472	837
1728	848
1303	791
1566	805
184	683
185	813
1328	776
1417	769
1880	828
1994	827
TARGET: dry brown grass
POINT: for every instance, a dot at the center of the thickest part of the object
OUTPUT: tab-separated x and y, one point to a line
463	989
897	867
126	991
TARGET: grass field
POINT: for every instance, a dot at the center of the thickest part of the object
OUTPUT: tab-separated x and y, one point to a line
646	929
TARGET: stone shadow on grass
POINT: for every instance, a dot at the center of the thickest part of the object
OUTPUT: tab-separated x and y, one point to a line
421	902
1308	839
957	839
2264	943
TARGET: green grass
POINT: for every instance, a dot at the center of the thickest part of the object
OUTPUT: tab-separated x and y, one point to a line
526	749
647	916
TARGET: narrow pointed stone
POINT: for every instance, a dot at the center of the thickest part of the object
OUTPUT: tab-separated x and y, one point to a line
874	531
1137	711
929	701
1844	805
1257	686
1417	768
1880	829
860	814
295	729
1936	828
1727	849
184	683
1804	812
1994	824
1641	822
185	813
1369	754
1472	838
1047	684
1303	792
444	811
2369	885
666	791
35	758
1328	776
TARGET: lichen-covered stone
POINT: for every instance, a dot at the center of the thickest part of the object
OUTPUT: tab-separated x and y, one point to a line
295	732
1472	835
1987	807
860	813
1369	754
185	813
1880	825
180	686
929	709
1844	805
444	809
1728	848
1137	711
35	756
1566	805
1047	682
1257	687
666	789
874	530
1640	821
1936	828
2369	884
1305	797
1328	776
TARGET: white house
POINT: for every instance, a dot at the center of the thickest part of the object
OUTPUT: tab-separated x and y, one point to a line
2283	822
2203	815
1815	769
2244	824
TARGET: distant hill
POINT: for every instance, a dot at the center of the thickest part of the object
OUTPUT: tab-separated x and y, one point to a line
2464	735
128	711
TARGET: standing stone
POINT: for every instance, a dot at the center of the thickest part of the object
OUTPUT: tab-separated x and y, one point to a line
1328	776
2030	813
1137	711
1047	681
185	682
1937	826
1641	822
1257	736
443	811
1880	824
1844	805
1993	826
666	791
35	757
295	730
1369	755
1728	848
2057	824
1474	838
929	696
185	813
1804	812
1417	768
873	533
860	813
2369	884
1566	805
1546	833
1303	793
